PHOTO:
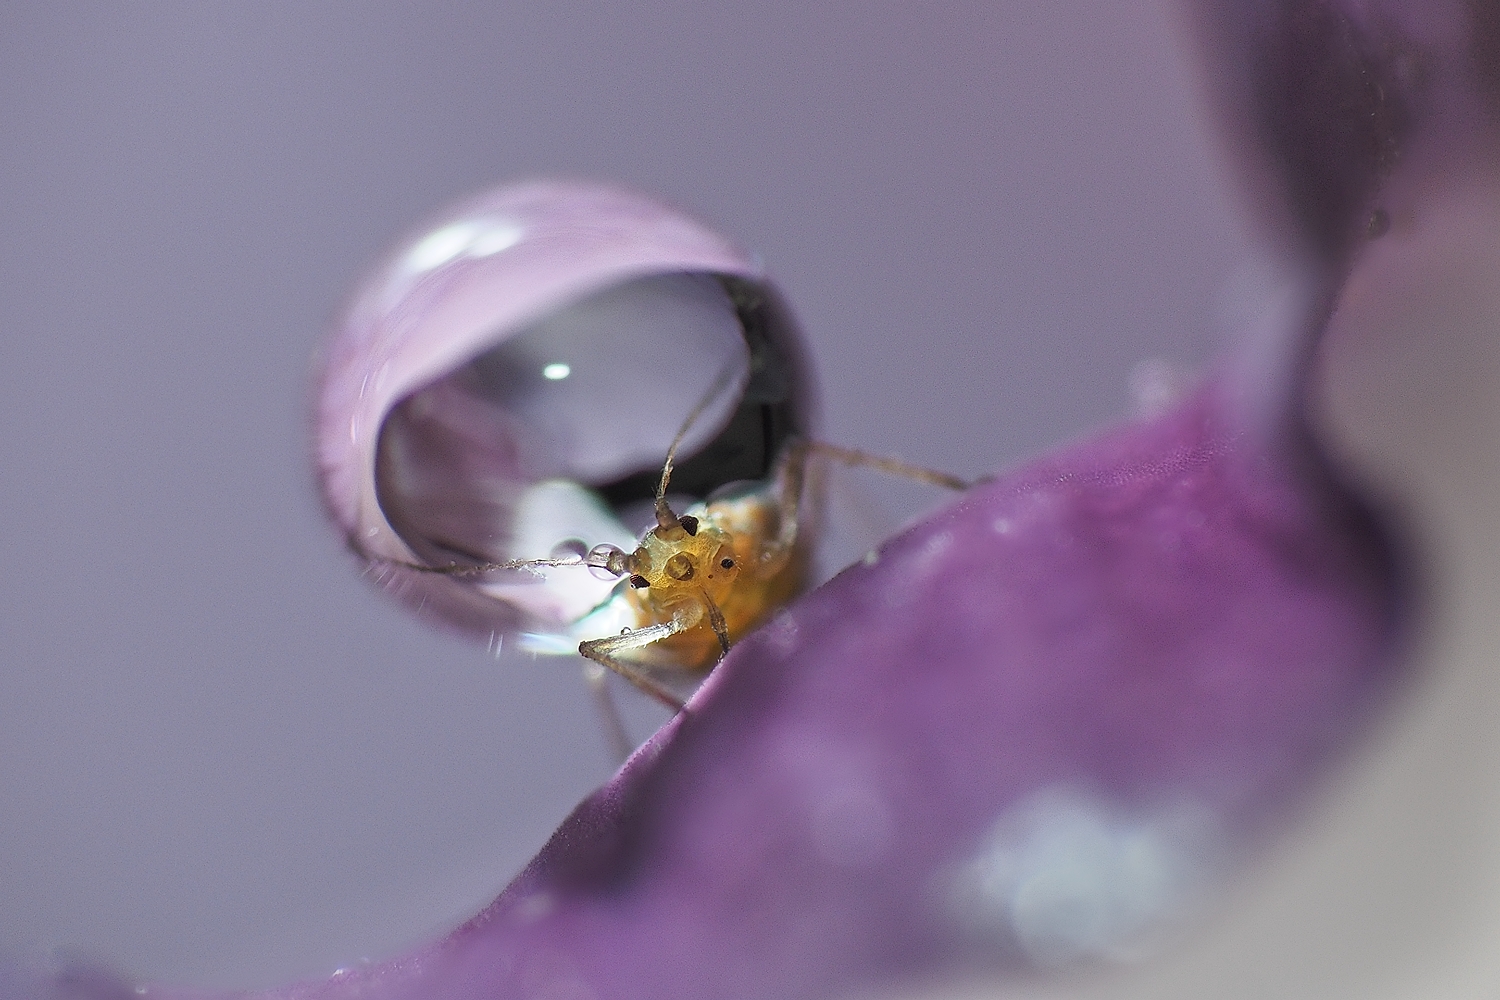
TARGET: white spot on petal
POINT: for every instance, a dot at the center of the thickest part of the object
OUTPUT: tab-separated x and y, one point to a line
781	632
936	546
1069	878
534	907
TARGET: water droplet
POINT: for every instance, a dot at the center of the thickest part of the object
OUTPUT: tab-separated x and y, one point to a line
521	425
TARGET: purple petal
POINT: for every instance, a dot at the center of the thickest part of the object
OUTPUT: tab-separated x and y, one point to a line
1120	662
1328	100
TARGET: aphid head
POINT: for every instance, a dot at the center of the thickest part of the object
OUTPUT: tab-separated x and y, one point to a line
673	560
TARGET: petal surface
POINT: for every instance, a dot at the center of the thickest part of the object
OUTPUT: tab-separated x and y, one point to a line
1034	730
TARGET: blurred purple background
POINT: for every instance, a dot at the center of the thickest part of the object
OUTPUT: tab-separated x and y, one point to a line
224	758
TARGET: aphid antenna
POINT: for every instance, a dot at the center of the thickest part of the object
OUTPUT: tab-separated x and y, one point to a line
664	516
479	569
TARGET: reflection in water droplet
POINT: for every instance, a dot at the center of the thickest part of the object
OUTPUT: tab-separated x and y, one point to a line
467	238
639	356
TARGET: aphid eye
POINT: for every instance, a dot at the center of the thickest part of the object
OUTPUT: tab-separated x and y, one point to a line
727	563
689	523
639	582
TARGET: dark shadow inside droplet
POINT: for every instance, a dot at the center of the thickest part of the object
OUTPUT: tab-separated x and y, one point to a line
774	408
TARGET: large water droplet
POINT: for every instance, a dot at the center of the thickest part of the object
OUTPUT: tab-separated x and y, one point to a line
535	424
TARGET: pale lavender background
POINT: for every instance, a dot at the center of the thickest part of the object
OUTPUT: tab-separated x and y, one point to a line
225	759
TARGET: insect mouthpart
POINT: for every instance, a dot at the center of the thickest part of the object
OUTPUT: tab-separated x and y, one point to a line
680	567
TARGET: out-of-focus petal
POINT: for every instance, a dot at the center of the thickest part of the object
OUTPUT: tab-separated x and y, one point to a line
1326	102
1034	730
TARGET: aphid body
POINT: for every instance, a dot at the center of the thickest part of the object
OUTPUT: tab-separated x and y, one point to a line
699	581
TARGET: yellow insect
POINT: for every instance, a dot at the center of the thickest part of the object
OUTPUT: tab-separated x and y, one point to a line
700	580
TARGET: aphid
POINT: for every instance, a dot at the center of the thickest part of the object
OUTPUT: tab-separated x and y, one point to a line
700	580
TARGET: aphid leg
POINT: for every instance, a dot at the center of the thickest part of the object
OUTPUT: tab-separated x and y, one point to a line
603	652
794	479
716	622
894	466
597	678
791	481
